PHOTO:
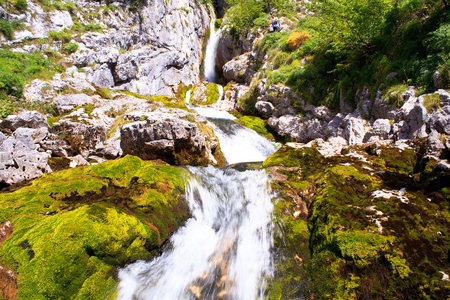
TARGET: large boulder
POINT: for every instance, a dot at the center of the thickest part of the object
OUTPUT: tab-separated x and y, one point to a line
82	138
66	103
281	97
229	47
29	119
440	120
163	136
19	159
355	129
415	118
240	69
231	95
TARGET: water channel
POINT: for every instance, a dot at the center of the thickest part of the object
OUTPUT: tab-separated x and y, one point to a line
224	250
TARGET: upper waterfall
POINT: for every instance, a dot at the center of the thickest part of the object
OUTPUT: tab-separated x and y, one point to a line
211	52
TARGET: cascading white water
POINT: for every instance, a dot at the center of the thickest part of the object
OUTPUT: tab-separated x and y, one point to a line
223	251
210	54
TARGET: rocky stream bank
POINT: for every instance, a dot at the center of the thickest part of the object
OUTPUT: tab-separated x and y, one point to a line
363	191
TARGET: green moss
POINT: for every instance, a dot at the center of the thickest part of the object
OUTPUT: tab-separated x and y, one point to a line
432	102
73	227
356	245
257	124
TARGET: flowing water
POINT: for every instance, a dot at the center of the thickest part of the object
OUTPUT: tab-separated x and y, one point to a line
210	54
224	250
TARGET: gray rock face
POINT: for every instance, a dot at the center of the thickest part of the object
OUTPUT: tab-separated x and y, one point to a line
19	159
29	119
232	93
382	109
82	138
102	77
66	103
239	69
440	120
381	128
264	109
230	47
164	137
281	98
435	146
415	120
149	52
355	129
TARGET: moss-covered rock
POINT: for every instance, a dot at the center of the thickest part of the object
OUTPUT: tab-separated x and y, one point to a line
360	225
205	93
257	124
74	227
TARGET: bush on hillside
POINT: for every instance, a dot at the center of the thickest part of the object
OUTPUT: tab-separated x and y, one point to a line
20	4
296	39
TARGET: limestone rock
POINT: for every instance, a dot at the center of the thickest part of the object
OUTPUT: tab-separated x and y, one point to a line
230	47
19	160
355	129
382	109
239	69
435	146
66	103
231	95
29	119
381	128
82	138
280	96
415	116
102	77
264	109
164	137
440	120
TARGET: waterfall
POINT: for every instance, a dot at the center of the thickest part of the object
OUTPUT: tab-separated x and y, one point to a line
211	52
224	250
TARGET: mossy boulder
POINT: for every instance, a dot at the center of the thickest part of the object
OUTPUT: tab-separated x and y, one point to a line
205	93
73	228
364	225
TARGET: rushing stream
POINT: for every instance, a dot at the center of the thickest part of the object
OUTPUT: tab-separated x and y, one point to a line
223	251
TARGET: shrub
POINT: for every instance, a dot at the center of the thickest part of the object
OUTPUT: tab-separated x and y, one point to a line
20	4
70	48
70	6
280	59
7	29
63	35
296	39
444	71
393	95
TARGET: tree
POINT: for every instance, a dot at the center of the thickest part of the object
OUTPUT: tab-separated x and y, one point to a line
347	25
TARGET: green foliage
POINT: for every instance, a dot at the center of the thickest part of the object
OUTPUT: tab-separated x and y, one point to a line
20	4
6	29
432	102
350	24
444	71
16	69
393	95
70	48
63	35
242	14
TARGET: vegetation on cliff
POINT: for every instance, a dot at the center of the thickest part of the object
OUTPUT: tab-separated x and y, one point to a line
371	223
72	228
348	45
